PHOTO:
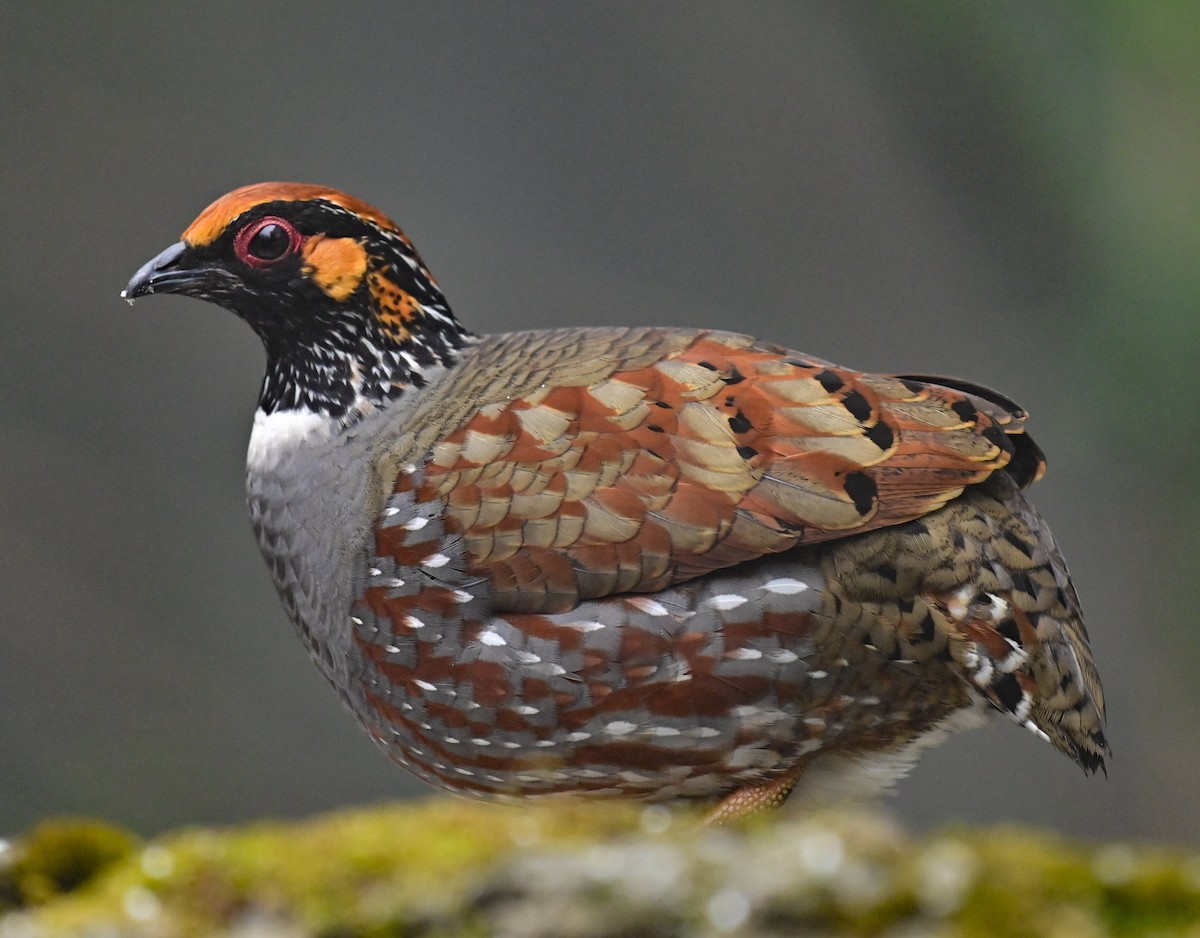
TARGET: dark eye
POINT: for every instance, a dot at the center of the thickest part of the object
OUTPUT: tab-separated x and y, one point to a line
263	242
269	243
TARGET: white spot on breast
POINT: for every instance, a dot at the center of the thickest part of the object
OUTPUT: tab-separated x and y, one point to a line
528	657
525	710
651	607
662	731
727	601
578	736
424	685
391	512
412	622
745	654
785	585
462	596
435	561
586	626
414	524
817	675
620	727
275	437
782	656
492	638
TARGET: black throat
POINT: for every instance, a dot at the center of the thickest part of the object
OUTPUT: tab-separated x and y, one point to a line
350	365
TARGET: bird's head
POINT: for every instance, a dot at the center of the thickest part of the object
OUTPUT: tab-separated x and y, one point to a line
342	301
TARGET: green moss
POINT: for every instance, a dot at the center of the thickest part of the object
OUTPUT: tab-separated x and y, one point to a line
362	872
451	868
57	857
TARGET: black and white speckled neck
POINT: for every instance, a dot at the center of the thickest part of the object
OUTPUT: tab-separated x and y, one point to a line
349	364
348	312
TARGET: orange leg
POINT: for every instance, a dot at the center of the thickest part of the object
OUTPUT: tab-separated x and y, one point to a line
753	799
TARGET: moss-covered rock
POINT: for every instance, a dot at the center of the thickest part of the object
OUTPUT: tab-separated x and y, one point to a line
58	857
580	870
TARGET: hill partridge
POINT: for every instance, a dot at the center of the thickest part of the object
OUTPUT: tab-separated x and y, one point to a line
643	562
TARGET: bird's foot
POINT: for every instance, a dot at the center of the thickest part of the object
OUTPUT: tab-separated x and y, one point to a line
754	799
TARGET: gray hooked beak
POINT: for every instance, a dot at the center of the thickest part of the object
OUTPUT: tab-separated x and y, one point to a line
157	275
162	275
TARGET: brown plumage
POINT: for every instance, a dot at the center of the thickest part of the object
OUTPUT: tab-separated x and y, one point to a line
648	562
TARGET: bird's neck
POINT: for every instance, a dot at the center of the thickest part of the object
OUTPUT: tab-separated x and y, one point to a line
349	369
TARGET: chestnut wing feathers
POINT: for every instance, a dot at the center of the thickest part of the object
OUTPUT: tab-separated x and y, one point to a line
697	452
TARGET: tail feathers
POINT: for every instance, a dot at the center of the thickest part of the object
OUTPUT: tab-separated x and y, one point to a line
1023	645
1070	706
1046	686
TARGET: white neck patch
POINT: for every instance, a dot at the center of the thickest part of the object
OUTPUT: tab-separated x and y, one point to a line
278	435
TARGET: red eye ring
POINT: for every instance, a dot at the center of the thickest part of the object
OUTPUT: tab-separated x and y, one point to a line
267	241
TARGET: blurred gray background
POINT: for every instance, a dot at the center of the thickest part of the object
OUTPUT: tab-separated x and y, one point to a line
1007	191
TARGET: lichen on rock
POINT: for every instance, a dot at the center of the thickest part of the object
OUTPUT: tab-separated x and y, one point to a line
587	870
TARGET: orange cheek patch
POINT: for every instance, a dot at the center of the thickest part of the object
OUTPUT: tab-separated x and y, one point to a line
336	265
394	308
